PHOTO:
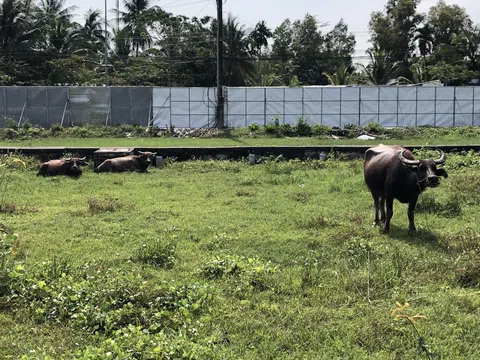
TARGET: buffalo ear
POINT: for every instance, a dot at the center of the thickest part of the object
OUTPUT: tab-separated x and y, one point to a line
442	172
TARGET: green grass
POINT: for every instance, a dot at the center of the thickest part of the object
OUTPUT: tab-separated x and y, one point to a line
222	260
240	141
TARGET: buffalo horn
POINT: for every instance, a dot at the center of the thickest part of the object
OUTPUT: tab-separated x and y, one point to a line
441	160
82	159
141	152
407	161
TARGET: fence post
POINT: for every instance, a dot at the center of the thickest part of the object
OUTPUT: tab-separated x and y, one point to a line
435	108
246	108
189	110
378	105
416	105
48	107
284	100
303	103
359	106
473	106
340	110
454	102
397	106
170	112
264	105
321	106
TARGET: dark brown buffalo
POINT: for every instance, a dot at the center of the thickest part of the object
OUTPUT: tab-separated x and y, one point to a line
392	172
138	163
69	167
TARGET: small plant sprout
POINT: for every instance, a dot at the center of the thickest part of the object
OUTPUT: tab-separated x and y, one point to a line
400	313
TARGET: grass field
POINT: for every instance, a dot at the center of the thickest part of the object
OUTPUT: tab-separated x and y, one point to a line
222	260
234	141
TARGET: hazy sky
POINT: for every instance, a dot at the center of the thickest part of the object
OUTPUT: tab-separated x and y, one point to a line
354	12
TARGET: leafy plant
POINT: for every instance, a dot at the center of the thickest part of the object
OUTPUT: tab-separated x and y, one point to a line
158	253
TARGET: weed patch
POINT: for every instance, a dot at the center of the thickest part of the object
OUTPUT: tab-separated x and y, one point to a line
316	223
451	206
158	253
98	206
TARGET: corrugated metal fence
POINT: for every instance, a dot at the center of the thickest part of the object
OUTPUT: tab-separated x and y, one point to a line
195	107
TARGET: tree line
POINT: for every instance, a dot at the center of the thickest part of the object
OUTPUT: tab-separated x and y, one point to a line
41	44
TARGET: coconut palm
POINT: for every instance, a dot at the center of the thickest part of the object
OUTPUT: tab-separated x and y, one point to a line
381	70
135	28
342	76
419	74
259	38
59	34
18	28
92	33
121	40
424	38
238	64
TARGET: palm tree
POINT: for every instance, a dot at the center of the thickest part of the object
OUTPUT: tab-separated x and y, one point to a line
424	37
381	70
18	28
92	32
259	38
419	74
137	30
342	76
121	39
238	64
58	32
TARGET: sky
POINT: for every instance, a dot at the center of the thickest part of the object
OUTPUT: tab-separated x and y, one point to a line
355	13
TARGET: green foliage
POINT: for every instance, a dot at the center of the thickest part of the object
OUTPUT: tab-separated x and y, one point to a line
303	128
97	206
449	207
157	252
252	273
254	127
245	268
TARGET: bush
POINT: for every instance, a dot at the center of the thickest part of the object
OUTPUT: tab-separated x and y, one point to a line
108	204
320	130
254	127
303	128
11	123
158	253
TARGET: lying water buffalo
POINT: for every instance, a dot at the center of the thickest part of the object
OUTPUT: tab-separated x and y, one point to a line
392	172
68	166
138	163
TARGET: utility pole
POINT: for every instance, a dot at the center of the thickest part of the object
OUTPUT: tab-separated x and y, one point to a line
106	46
220	97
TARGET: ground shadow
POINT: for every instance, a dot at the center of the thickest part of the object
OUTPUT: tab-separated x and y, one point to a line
424	237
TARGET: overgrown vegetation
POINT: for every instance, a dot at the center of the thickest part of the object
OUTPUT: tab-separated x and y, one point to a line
303	133
199	268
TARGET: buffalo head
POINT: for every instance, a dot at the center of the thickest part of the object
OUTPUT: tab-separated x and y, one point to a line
425	170
147	156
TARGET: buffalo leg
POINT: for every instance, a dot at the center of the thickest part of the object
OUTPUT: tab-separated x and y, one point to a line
382	210
376	205
411	216
389	203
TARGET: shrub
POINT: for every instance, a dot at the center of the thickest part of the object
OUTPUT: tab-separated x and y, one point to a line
158	253
303	128
320	130
11	123
254	127
108	204
251	273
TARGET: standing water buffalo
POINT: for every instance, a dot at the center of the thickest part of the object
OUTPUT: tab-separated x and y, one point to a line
392	172
69	167
138	163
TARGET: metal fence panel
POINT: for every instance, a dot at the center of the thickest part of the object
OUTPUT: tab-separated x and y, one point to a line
99	105
196	107
79	102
